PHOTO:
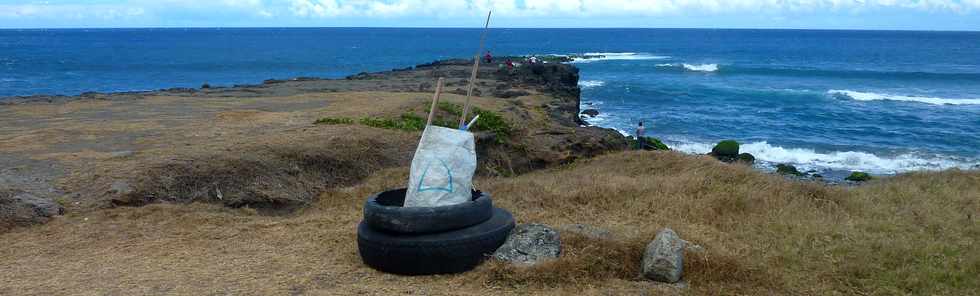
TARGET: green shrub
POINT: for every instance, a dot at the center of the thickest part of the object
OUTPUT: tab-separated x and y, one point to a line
489	121
331	121
726	148
858	177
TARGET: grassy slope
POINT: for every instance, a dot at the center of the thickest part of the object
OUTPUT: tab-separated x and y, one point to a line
913	234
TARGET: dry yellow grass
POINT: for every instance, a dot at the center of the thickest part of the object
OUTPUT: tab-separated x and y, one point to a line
914	234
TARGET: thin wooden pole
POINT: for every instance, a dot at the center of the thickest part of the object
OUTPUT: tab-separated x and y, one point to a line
476	68
435	101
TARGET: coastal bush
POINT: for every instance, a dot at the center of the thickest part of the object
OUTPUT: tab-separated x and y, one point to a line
858	177
489	121
726	148
331	121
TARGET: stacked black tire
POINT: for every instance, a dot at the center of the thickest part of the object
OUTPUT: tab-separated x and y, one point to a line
430	240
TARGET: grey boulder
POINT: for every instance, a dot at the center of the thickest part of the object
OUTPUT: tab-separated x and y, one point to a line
529	244
663	260
22	209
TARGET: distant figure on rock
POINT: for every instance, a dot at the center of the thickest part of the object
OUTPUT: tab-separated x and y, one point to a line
510	64
640	130
488	58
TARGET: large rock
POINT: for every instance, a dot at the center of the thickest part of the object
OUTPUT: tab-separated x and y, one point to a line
726	151
23	209
591	112
529	244
663	260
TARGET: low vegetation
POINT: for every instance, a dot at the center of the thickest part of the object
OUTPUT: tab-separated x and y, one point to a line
332	120
858	177
489	121
913	234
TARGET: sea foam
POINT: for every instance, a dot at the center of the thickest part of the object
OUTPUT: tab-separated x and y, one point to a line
868	96
840	160
591	83
611	56
692	67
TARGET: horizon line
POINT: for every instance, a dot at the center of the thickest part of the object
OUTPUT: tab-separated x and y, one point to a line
480	28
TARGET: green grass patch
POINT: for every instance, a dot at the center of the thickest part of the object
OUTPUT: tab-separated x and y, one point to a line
406	122
332	121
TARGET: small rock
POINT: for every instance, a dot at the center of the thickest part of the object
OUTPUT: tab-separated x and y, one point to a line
786	169
591	112
663	260
529	244
745	158
587	231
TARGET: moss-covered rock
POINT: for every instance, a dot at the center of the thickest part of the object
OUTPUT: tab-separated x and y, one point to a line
745	158
726	148
649	144
858	177
786	169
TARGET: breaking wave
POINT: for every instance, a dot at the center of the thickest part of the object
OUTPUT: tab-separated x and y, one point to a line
868	96
591	83
692	67
612	56
842	160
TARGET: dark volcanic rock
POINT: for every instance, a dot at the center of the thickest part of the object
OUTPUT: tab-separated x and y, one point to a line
591	112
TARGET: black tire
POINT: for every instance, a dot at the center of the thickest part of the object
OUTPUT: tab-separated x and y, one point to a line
384	212
420	254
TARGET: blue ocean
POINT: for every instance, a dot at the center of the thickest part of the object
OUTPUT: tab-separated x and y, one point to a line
878	101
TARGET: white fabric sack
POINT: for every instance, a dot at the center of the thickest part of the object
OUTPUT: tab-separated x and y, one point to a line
442	170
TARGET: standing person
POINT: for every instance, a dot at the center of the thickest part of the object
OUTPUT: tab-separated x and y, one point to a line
640	141
488	58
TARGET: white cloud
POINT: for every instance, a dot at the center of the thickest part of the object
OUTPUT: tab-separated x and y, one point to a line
298	10
586	8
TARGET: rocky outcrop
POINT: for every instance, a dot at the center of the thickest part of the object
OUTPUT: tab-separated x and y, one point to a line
529	244
591	112
663	260
22	209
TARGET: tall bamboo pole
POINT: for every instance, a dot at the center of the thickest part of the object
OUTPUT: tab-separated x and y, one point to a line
476	68
435	102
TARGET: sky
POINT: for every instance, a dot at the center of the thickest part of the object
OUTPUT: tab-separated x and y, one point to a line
792	14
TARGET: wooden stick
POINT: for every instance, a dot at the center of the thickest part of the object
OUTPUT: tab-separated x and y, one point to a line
435	101
476	68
